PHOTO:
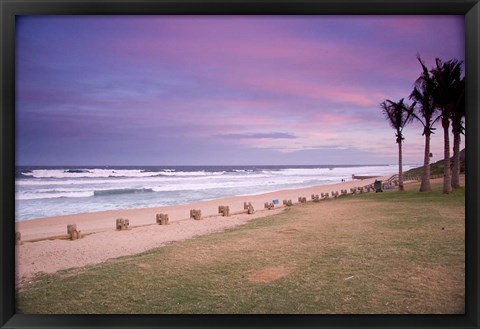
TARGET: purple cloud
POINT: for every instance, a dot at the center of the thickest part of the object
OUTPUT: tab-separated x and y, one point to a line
89	88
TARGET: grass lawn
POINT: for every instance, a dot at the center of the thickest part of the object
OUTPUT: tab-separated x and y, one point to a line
391	252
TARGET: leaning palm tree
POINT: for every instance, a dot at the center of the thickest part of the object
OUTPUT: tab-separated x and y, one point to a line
422	94
398	115
447	79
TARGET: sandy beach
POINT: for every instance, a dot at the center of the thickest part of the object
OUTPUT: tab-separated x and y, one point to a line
103	242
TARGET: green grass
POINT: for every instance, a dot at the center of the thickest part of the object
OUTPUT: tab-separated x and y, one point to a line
392	252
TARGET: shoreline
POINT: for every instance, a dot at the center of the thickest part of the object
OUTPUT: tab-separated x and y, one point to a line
90	221
102	242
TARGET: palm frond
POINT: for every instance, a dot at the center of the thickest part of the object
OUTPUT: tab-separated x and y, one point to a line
398	114
448	82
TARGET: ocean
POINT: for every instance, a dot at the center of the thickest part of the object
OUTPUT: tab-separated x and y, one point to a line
53	191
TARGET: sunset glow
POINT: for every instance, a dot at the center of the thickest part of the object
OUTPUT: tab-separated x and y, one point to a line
160	90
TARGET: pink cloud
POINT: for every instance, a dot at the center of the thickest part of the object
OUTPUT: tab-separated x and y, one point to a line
307	89
324	125
238	57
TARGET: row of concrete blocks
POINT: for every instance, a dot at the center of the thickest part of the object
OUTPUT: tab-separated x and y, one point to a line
162	219
335	194
123	224
324	196
363	189
315	197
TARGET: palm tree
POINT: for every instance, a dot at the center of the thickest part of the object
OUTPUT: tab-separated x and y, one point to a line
458	129
398	115
447	80
422	94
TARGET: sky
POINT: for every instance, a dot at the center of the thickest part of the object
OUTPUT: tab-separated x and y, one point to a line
225	90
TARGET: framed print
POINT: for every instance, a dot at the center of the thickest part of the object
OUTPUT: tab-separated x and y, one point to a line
239	164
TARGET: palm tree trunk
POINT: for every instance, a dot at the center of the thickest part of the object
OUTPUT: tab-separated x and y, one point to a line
447	178
425	185
456	159
400	171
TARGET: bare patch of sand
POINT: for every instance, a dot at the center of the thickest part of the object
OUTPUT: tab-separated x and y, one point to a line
269	274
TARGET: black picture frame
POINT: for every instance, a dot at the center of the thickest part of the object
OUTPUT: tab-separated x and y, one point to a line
10	8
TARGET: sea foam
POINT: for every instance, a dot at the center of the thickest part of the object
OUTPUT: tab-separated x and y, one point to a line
42	192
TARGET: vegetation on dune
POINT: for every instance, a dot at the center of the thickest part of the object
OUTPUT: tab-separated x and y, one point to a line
437	168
